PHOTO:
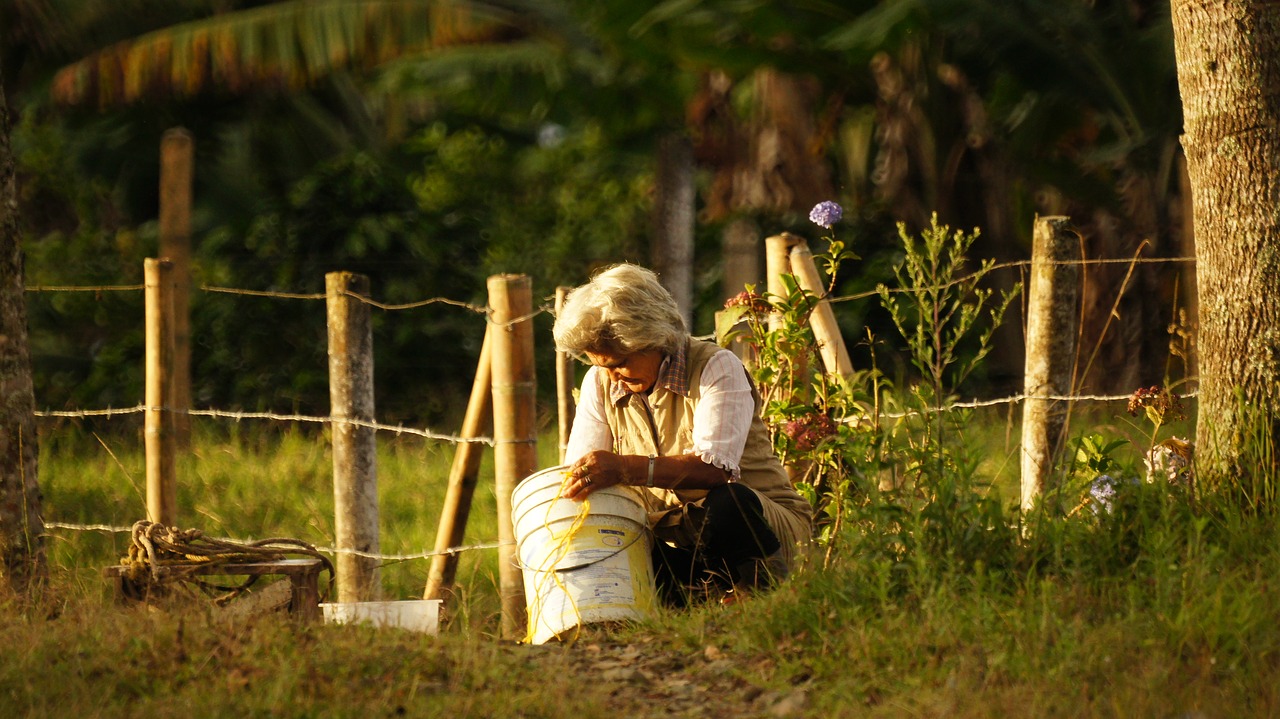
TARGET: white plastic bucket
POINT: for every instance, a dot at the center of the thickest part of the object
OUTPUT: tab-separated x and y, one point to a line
583	561
419	615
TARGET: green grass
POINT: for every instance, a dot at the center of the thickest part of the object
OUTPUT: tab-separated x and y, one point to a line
1159	608
256	483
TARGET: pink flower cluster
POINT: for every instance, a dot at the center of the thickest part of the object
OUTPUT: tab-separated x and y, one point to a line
1156	400
808	432
750	300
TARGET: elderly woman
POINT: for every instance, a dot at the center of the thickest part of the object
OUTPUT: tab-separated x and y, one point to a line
680	419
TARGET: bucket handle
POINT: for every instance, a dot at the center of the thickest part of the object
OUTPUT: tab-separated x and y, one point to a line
561	570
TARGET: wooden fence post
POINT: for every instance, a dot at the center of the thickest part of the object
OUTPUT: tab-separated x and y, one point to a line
777	259
355	464
565	376
161	462
1052	328
515	450
176	172
462	477
835	356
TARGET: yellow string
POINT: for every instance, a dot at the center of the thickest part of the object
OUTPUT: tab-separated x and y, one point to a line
560	550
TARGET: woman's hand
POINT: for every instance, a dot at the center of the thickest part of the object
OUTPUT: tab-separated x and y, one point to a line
593	471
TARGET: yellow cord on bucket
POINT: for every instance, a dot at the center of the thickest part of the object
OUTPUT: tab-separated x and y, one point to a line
561	547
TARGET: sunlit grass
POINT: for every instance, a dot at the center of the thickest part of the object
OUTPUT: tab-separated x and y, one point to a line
1162	607
255	483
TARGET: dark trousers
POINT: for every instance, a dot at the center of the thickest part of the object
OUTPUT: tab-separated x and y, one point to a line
731	537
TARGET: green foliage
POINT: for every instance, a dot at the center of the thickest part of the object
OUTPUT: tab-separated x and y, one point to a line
85	346
913	471
1095	454
461	205
942	306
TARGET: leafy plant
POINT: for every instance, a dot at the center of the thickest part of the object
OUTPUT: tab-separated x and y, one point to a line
939	310
823	426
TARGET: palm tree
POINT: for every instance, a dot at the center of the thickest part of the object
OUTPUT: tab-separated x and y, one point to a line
281	45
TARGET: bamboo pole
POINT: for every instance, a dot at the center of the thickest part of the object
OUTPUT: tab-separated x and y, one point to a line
565	376
462	478
158	432
1052	328
355	464
777	259
777	256
177	160
515	451
835	356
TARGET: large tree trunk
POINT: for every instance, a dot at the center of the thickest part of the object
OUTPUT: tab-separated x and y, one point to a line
21	526
1229	75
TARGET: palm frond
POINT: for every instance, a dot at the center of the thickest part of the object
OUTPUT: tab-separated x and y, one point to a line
281	45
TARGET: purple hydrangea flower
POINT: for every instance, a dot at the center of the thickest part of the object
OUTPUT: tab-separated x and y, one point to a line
825	214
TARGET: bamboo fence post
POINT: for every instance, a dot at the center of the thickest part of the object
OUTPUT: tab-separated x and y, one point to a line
835	356
515	451
777	257
355	464
565	376
462	478
1052	328
161	451
177	160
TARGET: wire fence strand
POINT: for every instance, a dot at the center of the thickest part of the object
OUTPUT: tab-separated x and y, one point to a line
114	529
273	416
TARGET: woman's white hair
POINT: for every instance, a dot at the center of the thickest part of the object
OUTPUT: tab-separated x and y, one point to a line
622	309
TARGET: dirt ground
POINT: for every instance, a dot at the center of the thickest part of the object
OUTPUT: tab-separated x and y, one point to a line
642	677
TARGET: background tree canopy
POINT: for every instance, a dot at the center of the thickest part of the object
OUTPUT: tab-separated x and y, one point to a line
429	144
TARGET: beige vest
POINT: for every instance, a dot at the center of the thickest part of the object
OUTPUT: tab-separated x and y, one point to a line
668	431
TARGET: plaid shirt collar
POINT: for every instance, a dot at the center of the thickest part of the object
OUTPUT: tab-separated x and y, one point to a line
673	375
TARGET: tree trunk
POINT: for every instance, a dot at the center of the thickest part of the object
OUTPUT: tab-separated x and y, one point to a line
672	252
21	525
1229	75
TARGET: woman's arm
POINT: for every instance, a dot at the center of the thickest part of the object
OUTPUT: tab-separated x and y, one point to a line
722	419
601	468
590	430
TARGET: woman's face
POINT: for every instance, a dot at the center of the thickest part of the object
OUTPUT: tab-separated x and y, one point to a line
636	372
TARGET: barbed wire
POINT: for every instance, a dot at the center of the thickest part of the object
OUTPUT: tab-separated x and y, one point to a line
264	293
485	310
1012	399
1002	266
548	309
80	413
387	306
274	416
85	288
368	424
451	551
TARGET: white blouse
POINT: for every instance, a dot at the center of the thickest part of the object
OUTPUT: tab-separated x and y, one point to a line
721	419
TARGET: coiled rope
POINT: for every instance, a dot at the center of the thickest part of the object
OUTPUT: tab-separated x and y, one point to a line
159	554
